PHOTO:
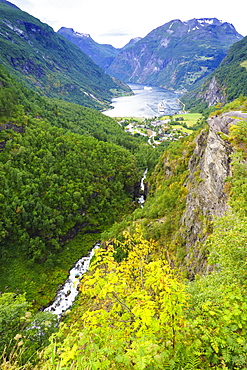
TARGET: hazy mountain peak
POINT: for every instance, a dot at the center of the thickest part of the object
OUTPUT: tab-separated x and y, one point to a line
72	32
102	54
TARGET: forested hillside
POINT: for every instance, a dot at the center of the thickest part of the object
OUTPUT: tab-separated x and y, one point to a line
225	84
166	288
50	64
19	103
66	171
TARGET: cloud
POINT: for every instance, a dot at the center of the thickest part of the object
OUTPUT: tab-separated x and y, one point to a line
116	33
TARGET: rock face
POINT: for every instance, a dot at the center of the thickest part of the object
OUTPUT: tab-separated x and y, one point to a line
177	54
214	94
209	167
223	122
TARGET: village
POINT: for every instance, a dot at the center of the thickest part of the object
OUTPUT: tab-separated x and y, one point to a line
163	129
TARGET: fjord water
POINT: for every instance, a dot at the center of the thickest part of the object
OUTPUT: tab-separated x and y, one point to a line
145	103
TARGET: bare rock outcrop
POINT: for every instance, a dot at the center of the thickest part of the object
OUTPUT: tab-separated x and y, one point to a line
223	122
213	95
209	167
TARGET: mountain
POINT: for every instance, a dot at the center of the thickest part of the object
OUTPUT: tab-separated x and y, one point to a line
50	64
132	42
102	54
176	55
226	83
174	269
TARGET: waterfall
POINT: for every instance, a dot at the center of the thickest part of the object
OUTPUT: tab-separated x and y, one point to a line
141	199
66	296
69	291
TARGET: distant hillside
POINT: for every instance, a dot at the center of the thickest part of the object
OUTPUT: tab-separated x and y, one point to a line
226	83
103	55
50	64
176	55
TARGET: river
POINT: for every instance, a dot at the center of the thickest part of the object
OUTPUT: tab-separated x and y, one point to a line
147	102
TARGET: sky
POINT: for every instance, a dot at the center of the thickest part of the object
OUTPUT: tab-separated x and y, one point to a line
116	22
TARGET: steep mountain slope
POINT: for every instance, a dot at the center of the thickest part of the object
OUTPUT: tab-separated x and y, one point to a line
103	55
177	54
50	64
226	83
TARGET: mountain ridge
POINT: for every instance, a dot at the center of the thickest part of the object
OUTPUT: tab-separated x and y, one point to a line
101	54
176	55
9	4
52	65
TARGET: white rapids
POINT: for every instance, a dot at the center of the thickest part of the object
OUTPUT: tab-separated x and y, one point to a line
69	291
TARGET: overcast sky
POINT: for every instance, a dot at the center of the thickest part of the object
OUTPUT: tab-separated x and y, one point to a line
115	22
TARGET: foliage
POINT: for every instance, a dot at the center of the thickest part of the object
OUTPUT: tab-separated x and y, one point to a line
21	332
18	104
237	181
136	314
135	317
50	177
54	182
165	204
218	300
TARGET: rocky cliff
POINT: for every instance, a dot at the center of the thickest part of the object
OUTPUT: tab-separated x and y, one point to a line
209	167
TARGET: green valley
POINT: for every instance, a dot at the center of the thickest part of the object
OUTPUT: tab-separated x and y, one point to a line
166	288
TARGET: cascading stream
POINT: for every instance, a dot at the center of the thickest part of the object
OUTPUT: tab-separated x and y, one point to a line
69	291
66	296
141	199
